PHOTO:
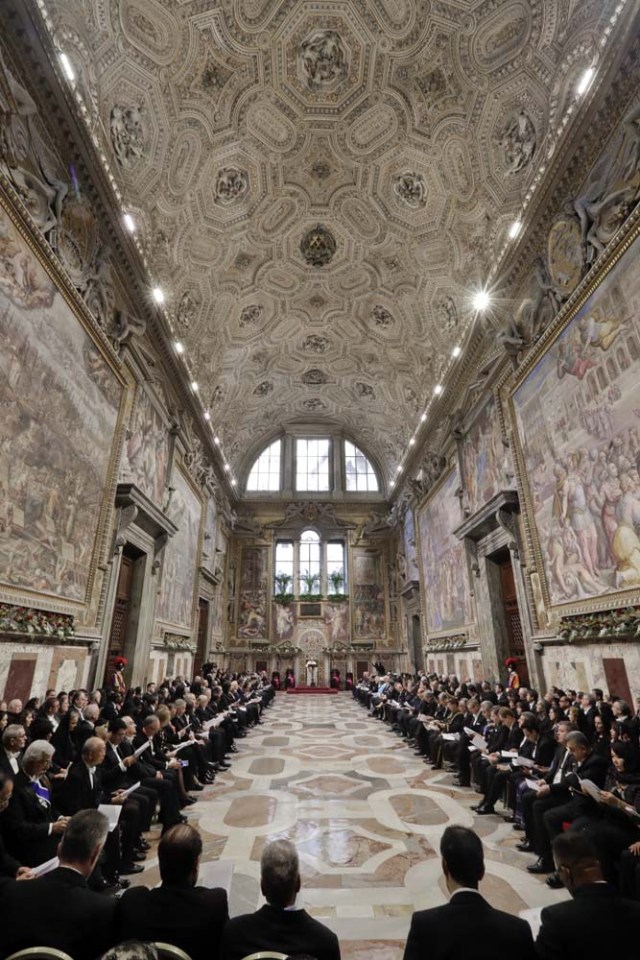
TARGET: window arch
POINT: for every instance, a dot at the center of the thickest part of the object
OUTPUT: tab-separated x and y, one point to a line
359	473
266	473
309	563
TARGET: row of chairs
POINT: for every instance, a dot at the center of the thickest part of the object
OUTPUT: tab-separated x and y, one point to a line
166	951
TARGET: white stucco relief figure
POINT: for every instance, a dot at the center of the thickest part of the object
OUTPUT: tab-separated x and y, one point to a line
127	133
324	59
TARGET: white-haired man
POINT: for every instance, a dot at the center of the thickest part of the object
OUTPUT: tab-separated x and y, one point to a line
32	827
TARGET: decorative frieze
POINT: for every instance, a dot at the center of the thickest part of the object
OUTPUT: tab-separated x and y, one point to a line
175	641
621	624
25	622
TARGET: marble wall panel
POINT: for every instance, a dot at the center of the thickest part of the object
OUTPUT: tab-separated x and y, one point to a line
582	667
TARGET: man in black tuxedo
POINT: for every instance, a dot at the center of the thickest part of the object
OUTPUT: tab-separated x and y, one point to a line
31	826
597	922
9	866
553	792
279	925
58	910
588	765
443	932
140	770
178	911
14	741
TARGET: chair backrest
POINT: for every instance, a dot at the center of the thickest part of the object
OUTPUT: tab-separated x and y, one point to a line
39	953
266	955
167	951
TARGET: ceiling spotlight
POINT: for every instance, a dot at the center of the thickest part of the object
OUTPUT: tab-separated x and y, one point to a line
456	351
391	483
227	467
585	81
129	222
481	300
194	386
66	66
412	441
398	469
216	440
515	229
178	346
233	481
158	294
207	415
438	389
423	418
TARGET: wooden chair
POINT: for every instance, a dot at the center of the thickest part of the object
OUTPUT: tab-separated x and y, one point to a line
166	951
39	953
266	955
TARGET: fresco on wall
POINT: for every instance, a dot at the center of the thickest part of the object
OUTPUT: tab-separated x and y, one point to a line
444	568
368	598
336	617
218	605
209	544
578	422
145	456
482	457
410	553
252	615
284	621
59	405
181	555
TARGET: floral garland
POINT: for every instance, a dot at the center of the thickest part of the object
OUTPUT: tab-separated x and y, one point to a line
28	621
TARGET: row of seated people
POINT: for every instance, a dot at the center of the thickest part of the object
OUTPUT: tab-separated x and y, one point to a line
143	765
563	761
59	911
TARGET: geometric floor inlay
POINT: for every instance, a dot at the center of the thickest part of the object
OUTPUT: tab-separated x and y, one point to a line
366	816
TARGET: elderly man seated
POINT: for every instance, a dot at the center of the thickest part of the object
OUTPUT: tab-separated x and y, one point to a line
58	910
280	924
31	826
14	740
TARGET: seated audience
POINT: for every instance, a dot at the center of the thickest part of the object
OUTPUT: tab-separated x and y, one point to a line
178	911
444	932
131	950
58	910
279	925
597	922
9	866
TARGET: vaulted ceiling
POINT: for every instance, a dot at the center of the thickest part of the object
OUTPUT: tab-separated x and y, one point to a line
320	184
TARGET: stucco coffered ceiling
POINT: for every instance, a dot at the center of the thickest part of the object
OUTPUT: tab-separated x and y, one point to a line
320	185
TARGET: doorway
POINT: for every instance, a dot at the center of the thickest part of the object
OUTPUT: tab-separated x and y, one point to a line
511	614
416	642
126	611
203	640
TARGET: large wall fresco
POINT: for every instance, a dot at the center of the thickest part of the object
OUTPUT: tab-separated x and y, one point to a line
252	614
482	457
368	597
410	551
145	456
59	402
578	419
444	569
181	555
209	545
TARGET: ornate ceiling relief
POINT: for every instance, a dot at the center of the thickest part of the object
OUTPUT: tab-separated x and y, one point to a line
318	185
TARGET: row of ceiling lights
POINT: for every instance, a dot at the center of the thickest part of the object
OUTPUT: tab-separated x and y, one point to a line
481	300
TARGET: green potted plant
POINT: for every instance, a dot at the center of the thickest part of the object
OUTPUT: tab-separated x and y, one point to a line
283	582
310	581
336	578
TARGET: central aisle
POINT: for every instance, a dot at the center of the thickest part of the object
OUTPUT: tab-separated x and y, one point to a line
366	816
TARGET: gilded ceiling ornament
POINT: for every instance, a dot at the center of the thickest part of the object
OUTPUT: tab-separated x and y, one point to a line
187	309
365	390
251	314
314	403
231	184
565	254
381	316
318	246
315	377
263	388
411	189
324	59
320	170
315	343
127	133
518	141
449	313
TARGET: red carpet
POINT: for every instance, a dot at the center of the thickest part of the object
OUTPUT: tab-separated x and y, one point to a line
311	690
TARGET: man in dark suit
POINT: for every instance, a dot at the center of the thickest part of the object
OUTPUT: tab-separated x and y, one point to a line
278	925
140	770
14	740
31	826
597	921
588	765
58	910
443	932
9	866
178	911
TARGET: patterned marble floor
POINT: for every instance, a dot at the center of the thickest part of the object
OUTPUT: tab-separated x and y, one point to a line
366	816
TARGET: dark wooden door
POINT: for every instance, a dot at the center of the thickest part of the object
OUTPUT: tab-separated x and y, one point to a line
120	615
203	645
20	678
515	639
615	671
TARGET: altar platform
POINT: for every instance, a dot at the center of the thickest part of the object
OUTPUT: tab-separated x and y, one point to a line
312	690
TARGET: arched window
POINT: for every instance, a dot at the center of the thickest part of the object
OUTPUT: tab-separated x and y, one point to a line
265	473
312	464
359	473
309	566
